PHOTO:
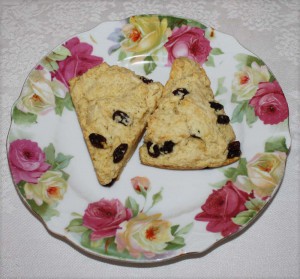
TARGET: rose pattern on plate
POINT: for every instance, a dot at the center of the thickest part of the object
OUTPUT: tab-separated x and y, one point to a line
47	87
104	217
269	103
221	206
148	39
189	42
257	94
108	227
77	63
27	161
245	190
39	175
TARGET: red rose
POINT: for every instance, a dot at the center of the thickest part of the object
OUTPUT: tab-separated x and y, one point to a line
104	217
269	103
79	62
221	206
189	42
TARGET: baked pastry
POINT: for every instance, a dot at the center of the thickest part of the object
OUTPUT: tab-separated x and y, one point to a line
113	105
189	129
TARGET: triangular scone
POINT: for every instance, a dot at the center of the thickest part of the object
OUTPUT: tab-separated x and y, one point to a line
113	105
189	129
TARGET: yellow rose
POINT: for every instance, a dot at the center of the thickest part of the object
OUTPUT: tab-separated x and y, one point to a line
245	82
145	34
50	188
265	172
144	235
39	92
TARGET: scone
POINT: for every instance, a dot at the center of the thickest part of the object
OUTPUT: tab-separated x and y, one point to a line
113	105
189	129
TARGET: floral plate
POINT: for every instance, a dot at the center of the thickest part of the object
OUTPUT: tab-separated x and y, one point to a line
149	215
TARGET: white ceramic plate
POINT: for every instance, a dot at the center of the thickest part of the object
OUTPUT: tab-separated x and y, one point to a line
149	215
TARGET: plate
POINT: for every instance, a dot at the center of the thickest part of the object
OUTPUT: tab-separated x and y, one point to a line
149	215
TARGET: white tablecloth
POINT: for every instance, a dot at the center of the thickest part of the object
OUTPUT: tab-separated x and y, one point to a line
268	28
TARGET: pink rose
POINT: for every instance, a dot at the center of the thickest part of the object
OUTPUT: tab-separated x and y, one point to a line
104	217
269	103
79	62
221	206
189	42
26	161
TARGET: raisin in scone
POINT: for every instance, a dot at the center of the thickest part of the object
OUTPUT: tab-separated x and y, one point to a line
113	105
189	129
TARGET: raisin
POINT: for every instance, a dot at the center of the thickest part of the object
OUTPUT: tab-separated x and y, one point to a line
180	92
223	119
121	117
145	80
120	152
216	106
234	149
167	147
97	140
110	183
153	150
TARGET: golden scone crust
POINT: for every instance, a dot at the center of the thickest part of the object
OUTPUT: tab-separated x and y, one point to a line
189	129
113	105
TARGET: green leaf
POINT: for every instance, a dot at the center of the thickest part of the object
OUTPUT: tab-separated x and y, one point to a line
133	205
250	115
195	23
272	77
244	217
50	154
174	21
96	243
178	240
122	55
233	173
247	60
276	144
56	57
65	175
218	185
176	243
150	66
210	61
239	112
174	229
20	117
216	51
185	229
20	186
49	64
157	197
255	204
61	103
45	210
53	65
61	161
85	239
174	246
63	51
76	226
75	222
221	88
